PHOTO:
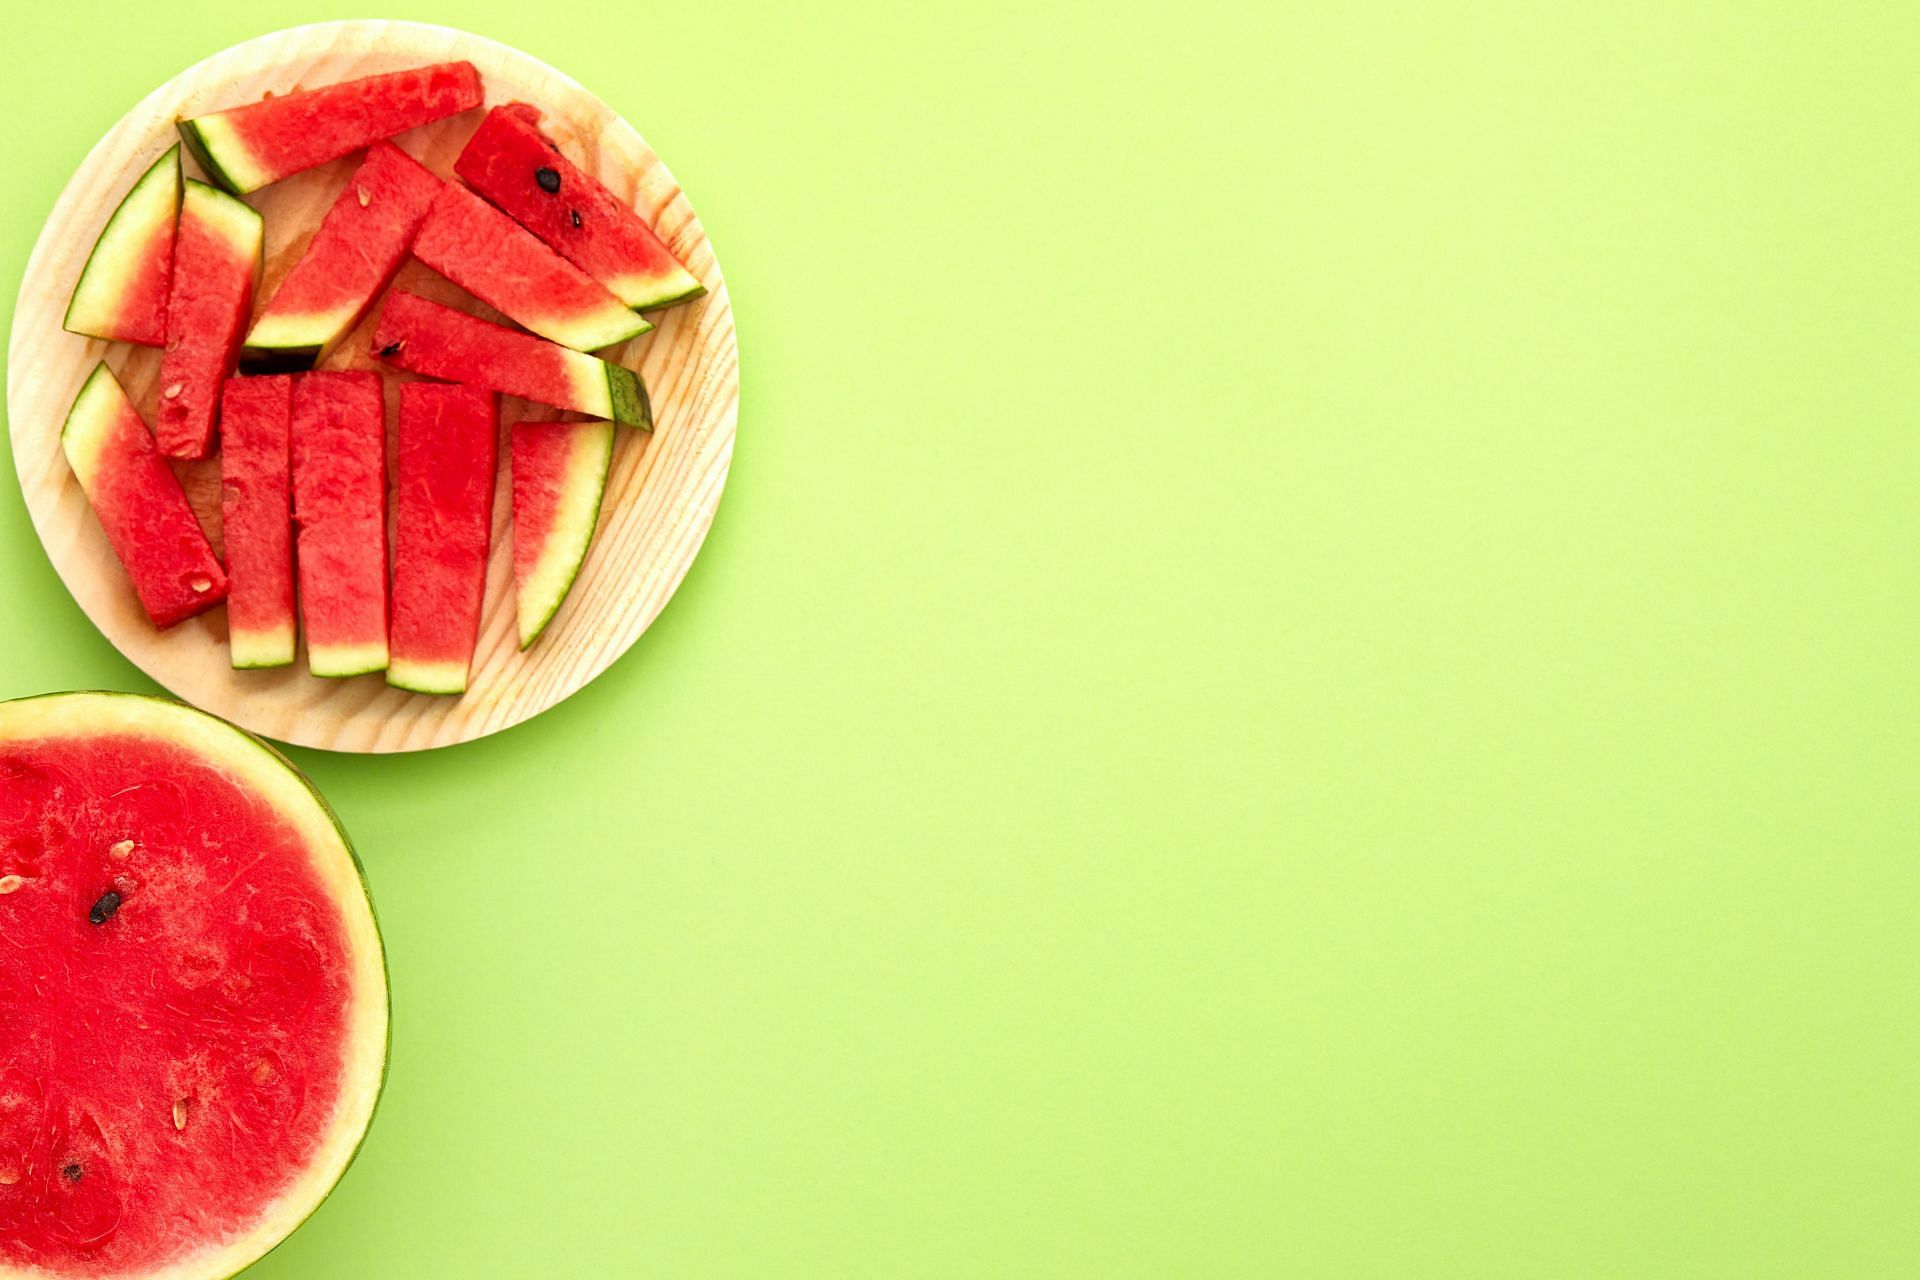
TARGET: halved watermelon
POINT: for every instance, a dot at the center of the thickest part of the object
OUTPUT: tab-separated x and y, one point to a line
449	438
122	291
248	147
504	265
216	264
559	476
340	514
518	168
440	342
193	996
256	417
140	503
361	242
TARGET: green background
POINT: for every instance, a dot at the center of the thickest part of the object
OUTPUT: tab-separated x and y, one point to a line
1308	668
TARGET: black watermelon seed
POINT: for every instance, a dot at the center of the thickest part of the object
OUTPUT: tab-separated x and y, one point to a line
103	910
575	215
73	1172
391	349
548	179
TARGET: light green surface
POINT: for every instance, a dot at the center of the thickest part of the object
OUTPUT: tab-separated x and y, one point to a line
1309	668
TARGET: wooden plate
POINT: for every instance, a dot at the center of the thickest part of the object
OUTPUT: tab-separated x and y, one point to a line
661	496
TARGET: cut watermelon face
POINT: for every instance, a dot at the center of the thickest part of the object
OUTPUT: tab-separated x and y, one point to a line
248	147
437	341
140	504
520	170
256	417
559	477
194	994
216	264
362	241
506	266
340	513
122	292
449	439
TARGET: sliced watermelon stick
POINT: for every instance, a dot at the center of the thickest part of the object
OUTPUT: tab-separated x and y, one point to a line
518	168
440	342
256	416
340	514
248	147
449	438
122	292
559	476
216	264
504	265
361	242
140	503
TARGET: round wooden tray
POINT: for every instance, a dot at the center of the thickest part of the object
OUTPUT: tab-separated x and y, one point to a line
660	498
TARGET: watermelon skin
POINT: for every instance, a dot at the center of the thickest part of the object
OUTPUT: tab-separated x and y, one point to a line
559	478
267	1030
449	442
216	264
607	239
362	242
340	518
506	266
121	295
256	511
427	338
140	503
249	147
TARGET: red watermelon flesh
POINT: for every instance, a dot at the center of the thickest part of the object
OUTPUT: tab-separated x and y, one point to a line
255	502
248	147
438	341
193	996
216	263
444	524
140	504
519	169
361	243
504	265
340	518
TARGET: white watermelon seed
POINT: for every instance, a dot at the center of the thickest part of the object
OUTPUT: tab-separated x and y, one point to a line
180	1114
121	850
9	883
173	390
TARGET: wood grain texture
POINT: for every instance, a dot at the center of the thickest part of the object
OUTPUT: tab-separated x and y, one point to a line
662	494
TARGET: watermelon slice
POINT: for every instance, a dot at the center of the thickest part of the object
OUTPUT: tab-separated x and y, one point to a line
194	996
559	476
449	437
140	503
216	264
440	342
518	168
504	265
340	512
122	292
256	416
361	243
248	147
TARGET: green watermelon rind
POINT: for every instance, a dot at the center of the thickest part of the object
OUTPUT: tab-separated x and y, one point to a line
106	232
197	147
593	531
627	397
366	890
